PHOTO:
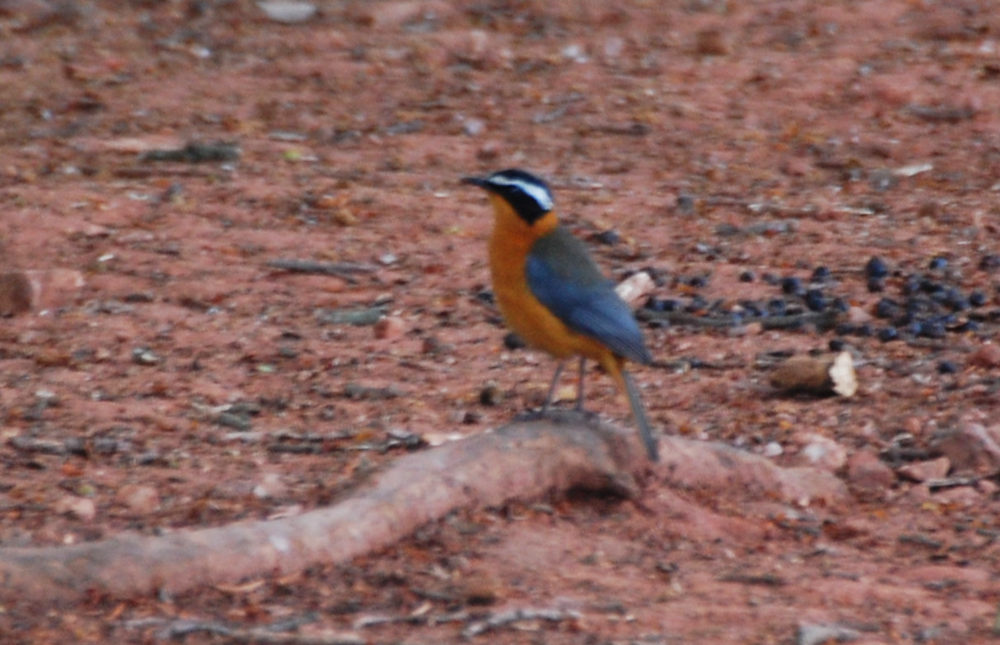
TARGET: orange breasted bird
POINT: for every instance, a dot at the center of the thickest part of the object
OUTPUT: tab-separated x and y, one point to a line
552	294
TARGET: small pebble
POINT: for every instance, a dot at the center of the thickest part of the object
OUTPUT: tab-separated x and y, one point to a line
389	327
986	355
82	508
772	449
139	499
144	356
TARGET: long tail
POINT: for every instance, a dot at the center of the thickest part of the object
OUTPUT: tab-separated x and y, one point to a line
639	412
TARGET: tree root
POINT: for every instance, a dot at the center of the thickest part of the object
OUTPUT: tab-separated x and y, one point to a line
521	461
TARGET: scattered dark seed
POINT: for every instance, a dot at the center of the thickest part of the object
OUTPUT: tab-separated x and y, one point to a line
839	304
698	281
938	263
977	299
876	285
747	276
865	330
837	344
777	307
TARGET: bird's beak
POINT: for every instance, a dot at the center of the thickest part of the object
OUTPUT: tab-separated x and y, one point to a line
475	181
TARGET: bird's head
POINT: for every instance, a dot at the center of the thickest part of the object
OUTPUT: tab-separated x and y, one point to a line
525	194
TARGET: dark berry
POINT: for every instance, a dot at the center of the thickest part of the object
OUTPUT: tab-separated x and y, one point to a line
887	334
839	304
953	298
937	263
747	276
932	329
777	307
698	281
876	268
837	344
845	329
820	274
815	300
977	298
886	308
865	330
947	367
912	284
791	286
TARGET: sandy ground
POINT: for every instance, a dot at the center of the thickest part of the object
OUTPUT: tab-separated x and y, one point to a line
697	140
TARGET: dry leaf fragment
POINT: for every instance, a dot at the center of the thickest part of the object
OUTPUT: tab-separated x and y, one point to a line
820	375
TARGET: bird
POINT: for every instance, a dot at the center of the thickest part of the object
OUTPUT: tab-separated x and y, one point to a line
552	294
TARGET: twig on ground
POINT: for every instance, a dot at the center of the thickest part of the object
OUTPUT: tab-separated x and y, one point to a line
345	270
505	618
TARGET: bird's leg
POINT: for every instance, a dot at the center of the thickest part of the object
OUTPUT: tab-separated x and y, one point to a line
579	387
552	387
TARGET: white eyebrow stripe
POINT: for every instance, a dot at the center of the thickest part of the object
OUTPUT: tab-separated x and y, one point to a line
538	193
